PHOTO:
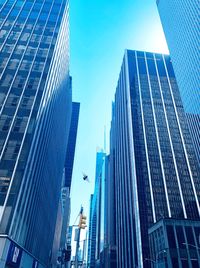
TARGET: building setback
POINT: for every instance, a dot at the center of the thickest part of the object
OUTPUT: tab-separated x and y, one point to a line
35	115
180	21
155	169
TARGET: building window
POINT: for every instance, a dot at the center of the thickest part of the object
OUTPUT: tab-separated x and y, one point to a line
12	150
6	80
2	97
20	124
33	83
27	102
25	65
13	36
19	49
19	82
13	64
7	48
4	184
25	37
5	122
170	236
38	66
3	34
12	100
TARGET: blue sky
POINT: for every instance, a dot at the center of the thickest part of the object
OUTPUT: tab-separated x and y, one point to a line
100	31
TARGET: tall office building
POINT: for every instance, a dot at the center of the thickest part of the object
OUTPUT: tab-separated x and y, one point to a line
109	251
107	224
155	168
180	21
92	235
94	238
35	114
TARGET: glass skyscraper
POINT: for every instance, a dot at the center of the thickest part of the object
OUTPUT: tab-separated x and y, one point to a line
35	115
94	238
155	168
181	24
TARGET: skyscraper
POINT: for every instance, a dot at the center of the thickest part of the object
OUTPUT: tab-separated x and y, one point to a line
35	114
155	168
180	21
107	215
94	237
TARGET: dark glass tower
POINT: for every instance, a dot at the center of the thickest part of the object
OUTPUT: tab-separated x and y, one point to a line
180	21
35	114
155	168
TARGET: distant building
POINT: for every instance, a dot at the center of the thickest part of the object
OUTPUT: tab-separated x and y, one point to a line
35	116
154	168
94	237
180	21
108	255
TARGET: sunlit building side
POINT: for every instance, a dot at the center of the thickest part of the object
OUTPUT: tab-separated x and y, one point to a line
94	237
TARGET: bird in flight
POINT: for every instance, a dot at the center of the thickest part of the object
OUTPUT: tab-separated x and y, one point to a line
85	177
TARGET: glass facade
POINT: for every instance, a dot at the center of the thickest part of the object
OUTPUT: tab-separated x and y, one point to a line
35	113
155	167
92	236
180	21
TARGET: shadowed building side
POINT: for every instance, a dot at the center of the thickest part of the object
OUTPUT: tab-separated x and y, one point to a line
156	169
35	114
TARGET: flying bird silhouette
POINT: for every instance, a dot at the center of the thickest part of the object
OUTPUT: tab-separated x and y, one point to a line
85	177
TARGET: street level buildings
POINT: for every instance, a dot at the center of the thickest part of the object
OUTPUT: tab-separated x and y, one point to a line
175	243
35	116
180	21
155	170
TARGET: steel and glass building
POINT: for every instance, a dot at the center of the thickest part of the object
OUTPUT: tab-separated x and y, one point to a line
155	168
92	235
96	201
35	114
107	255
181	24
